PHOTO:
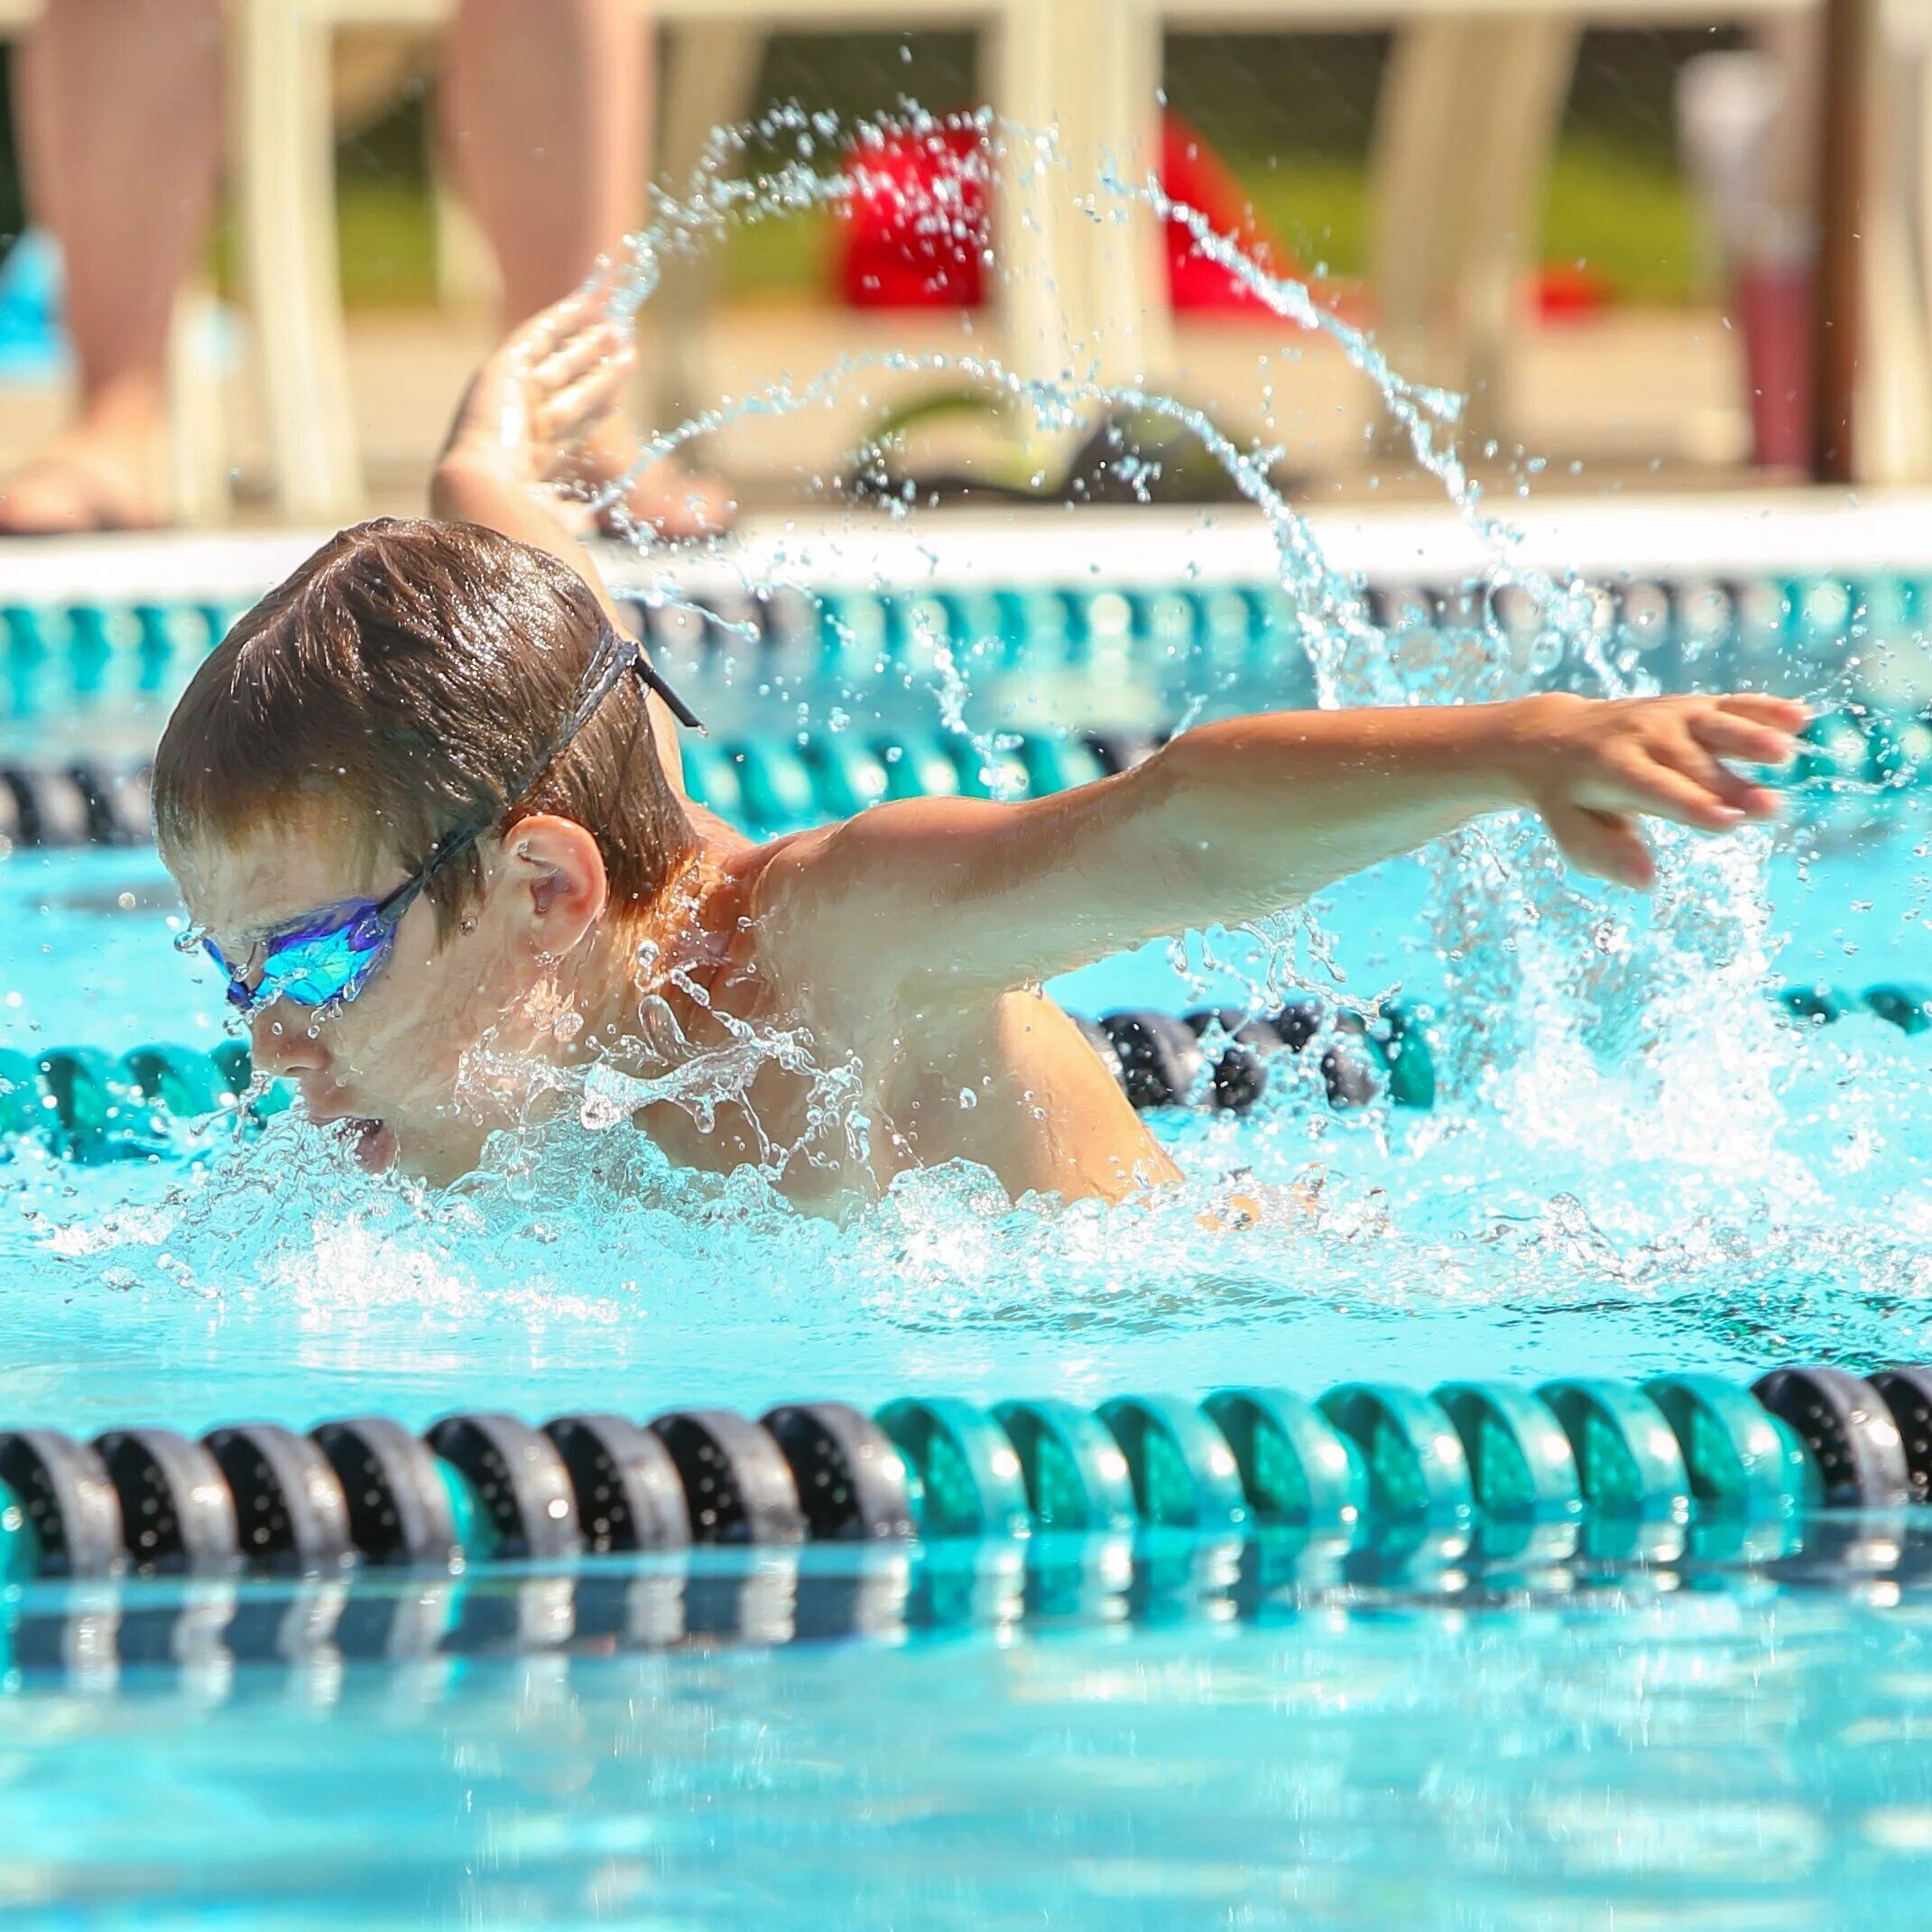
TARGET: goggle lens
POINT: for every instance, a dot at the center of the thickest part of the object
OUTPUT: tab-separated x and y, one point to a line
312	969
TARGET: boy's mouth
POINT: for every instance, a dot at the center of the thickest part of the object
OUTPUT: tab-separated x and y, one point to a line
372	1142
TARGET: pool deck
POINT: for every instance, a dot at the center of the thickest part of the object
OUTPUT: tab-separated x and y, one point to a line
1701	536
1641	400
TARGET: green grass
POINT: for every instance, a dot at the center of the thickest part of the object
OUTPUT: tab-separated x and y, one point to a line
1627	218
792	254
385	236
1630	221
1317	204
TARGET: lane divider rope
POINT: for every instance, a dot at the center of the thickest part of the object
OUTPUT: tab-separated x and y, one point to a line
86	1103
846	631
769	786
1482	1457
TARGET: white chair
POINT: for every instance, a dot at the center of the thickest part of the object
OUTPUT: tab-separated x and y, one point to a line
1891	421
1465	128
285	151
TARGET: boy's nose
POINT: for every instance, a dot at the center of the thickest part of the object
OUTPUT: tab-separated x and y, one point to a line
282	1044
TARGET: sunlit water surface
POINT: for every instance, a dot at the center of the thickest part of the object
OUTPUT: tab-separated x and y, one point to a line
1637	1166
1654	1172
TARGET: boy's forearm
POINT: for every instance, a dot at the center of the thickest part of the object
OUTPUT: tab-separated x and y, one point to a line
1269	809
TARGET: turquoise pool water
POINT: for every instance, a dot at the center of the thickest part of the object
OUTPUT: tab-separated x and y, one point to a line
1579	1217
1644	1167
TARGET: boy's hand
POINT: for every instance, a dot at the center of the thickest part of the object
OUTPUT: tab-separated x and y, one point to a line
546	388
1591	768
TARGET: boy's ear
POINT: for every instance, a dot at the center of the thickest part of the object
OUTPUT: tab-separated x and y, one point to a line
556	873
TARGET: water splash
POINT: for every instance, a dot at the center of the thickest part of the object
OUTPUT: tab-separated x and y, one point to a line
1627	1124
1495	884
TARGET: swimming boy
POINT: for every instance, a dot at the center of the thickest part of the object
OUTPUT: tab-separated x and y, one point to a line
423	806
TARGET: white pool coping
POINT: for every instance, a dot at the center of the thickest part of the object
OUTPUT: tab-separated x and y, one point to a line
1671	538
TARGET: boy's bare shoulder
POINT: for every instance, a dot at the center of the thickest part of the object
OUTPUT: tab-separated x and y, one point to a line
865	897
916	847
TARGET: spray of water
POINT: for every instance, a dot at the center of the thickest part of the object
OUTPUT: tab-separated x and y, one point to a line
1616	1129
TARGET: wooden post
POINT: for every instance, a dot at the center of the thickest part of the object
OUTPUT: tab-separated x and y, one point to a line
1839	318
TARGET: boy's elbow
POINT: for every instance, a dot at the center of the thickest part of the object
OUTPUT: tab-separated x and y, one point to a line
463	487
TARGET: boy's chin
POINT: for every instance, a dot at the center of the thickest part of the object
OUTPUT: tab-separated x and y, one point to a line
373	1145
435	1158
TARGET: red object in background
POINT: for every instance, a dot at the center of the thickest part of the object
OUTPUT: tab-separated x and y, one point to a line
1567	291
915	227
1775	301
1192	173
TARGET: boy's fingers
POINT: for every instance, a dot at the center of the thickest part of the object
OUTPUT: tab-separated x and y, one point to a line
1783	713
1669	794
550	325
573	409
1606	845
1732	737
1689	757
584	351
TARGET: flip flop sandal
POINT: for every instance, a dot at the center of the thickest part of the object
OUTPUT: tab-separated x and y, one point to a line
1128	457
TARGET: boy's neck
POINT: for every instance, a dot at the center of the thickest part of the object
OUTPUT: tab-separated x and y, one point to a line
663	953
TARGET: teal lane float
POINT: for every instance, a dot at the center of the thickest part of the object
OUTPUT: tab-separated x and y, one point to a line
1489	1462
768	786
88	1105
1674	626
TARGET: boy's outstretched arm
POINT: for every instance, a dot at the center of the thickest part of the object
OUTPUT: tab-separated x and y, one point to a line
550	383
1234	820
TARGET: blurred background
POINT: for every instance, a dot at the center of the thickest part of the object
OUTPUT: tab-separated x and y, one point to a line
248	251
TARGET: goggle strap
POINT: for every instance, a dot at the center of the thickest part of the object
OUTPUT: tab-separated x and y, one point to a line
653	679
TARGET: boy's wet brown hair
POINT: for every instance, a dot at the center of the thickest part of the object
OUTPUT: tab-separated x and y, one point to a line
409	678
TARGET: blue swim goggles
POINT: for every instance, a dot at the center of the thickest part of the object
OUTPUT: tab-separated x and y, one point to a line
322	960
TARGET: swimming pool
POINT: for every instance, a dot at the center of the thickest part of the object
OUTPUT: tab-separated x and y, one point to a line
1639	1163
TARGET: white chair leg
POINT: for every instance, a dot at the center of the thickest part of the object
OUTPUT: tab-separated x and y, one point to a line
1422	127
286	143
713	68
1894	421
1110	64
1464	130
197	477
1526	64
1029	207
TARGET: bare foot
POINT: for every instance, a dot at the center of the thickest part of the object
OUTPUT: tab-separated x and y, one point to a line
89	478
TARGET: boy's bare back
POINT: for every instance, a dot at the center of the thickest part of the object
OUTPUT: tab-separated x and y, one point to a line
917	1079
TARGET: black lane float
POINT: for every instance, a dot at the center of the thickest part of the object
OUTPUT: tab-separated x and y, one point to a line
485	1488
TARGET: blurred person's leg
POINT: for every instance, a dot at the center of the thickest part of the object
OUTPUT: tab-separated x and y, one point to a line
119	105
546	111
